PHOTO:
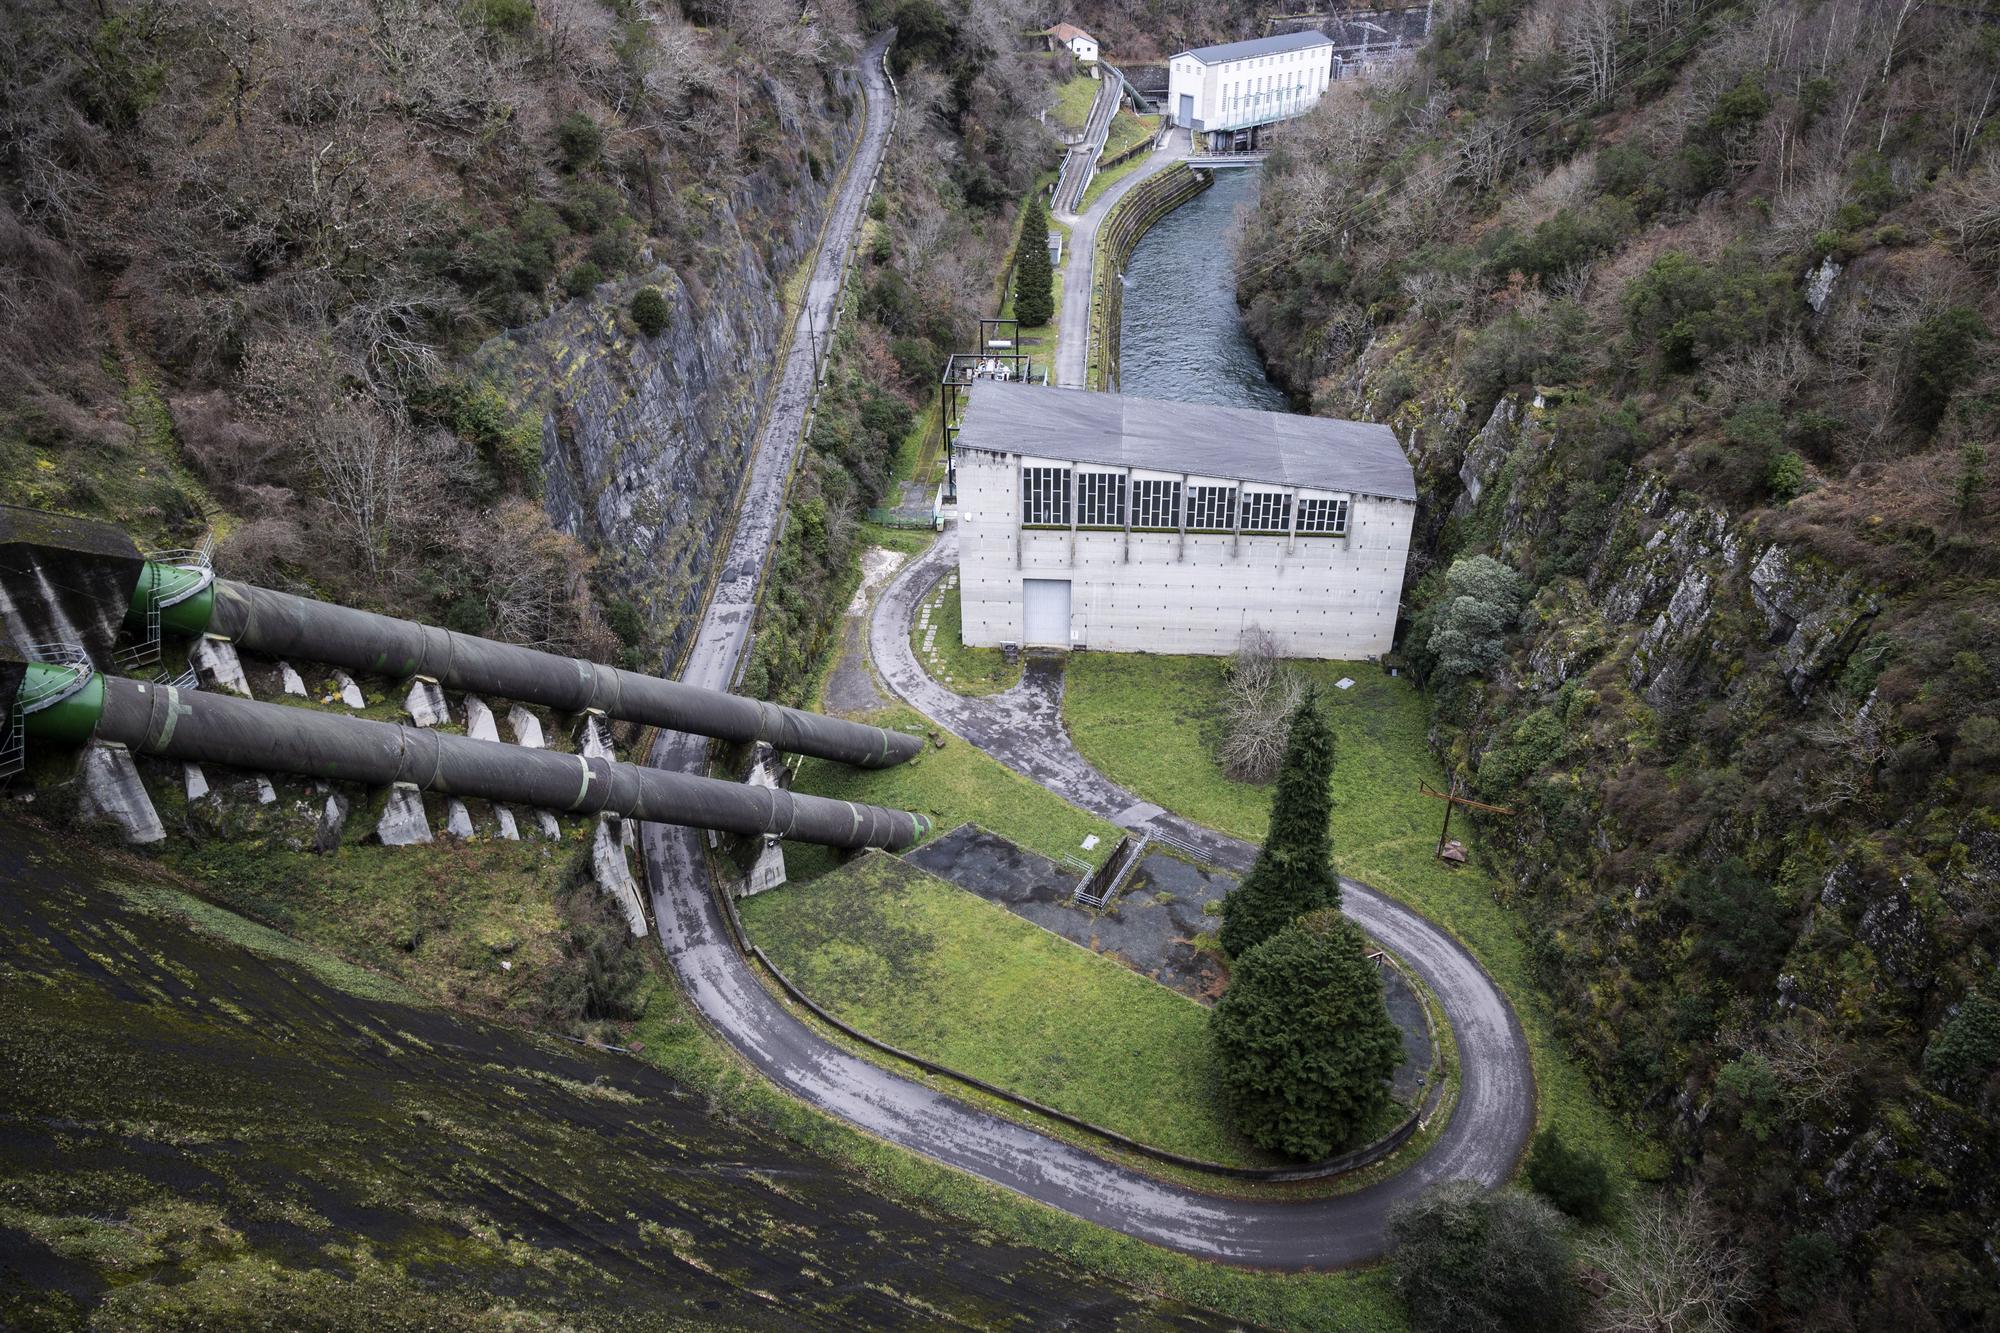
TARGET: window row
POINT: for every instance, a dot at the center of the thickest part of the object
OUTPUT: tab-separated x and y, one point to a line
1101	503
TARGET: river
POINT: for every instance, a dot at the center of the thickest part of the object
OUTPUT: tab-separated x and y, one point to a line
1180	335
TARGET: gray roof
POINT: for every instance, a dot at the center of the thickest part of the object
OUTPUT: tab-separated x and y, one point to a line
1113	430
1258	46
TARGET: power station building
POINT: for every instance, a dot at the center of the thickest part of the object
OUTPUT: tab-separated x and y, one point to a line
1096	520
1231	92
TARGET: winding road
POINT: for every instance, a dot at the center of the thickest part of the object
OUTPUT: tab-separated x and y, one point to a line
1023	729
1079	273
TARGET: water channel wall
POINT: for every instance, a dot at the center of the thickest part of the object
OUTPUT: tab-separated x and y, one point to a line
1129	220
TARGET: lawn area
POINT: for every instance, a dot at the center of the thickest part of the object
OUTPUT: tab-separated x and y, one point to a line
953	785
970	671
1151	723
940	972
1109	177
1128	128
1073	101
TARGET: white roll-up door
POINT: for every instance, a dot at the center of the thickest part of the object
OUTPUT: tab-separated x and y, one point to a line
1045	613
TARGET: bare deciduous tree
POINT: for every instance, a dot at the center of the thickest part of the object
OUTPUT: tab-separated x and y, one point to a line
1263	692
1671	1272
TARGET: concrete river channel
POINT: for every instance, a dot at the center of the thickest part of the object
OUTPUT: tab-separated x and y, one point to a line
1180	335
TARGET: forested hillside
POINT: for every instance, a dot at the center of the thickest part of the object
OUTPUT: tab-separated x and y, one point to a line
1685	313
351	284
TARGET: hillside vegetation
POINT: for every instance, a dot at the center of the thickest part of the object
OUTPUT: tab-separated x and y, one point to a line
1685	314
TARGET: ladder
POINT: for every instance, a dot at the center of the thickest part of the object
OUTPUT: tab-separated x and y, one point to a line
197	560
47	693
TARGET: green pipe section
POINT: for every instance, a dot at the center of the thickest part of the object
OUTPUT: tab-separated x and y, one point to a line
158	585
70	721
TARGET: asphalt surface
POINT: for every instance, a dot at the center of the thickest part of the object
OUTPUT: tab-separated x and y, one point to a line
1496	1102
1073	320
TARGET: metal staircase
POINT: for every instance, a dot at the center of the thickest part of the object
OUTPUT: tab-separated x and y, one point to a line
199	561
76	668
1084	897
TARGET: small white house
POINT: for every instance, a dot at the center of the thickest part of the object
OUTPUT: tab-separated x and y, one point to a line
1238	88
1097	520
1079	43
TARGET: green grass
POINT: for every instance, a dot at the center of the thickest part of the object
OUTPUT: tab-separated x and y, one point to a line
970	671
936	970
1041	339
1104	180
1151	723
1074	98
1128	130
676	1040
951	786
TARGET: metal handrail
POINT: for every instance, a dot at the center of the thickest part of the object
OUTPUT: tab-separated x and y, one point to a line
53	690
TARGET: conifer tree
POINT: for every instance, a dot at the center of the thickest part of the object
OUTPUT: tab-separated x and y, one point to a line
1034	277
1294	871
1306	1043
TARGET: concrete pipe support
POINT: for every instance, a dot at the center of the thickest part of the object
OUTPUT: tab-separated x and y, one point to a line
278	624
241	733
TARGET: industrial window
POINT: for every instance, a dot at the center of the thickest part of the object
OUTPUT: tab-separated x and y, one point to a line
1156	504
1100	499
1045	495
1323	516
1267	511
1212	507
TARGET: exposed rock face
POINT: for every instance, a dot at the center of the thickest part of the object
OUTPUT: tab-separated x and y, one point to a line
644	439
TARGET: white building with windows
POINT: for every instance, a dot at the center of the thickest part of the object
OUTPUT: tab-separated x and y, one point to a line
1236	89
1075	40
1096	520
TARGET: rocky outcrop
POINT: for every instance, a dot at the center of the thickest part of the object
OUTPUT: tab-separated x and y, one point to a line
644	439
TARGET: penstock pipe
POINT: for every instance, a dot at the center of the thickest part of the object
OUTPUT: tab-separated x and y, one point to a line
242	733
278	624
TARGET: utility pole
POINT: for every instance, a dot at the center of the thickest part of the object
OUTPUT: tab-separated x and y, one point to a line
1452	798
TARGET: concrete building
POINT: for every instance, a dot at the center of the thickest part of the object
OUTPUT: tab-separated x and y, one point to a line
1230	93
1078	42
1096	520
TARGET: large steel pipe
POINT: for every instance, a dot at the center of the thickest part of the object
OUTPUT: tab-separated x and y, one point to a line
241	733
280	625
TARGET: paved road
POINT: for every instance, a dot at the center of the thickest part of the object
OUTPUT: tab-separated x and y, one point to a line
1073	320
1485	1135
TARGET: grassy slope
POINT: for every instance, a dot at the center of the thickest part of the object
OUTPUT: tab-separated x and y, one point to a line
1126	130
970	671
1150	724
929	967
1073	103
951	786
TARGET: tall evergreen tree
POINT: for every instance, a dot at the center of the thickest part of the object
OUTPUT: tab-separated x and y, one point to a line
1294	871
1034	277
1305	1041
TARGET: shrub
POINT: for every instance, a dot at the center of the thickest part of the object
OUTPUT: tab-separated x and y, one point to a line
1307	1046
649	311
579	141
1739	924
1939	356
1786	476
1473	1262
582	278
506	18
1573	1181
1469	626
1293	873
1965	1050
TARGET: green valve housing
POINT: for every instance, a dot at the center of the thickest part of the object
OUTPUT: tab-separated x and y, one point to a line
184	594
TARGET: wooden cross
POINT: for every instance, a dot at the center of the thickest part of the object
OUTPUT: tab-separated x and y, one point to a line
1452	798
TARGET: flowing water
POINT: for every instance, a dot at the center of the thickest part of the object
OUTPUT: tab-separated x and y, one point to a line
1180	336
